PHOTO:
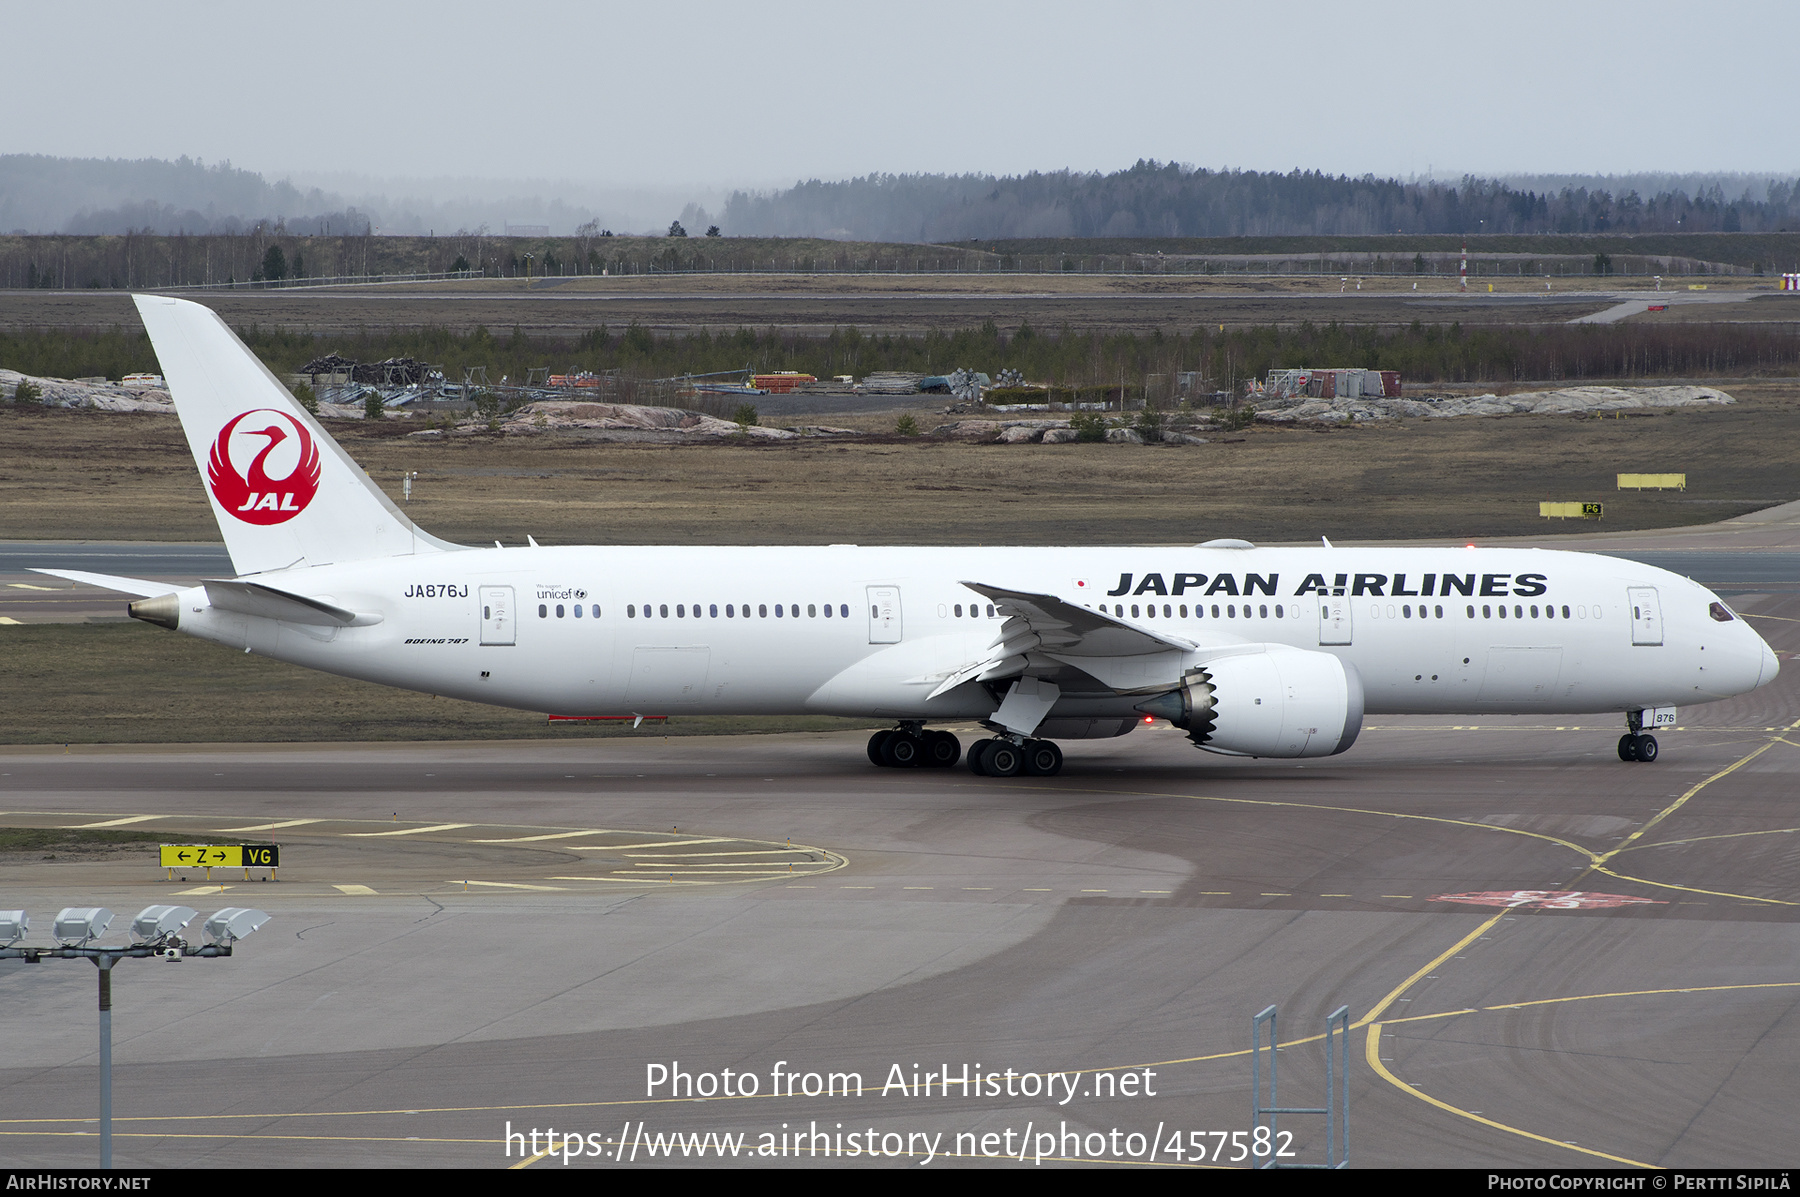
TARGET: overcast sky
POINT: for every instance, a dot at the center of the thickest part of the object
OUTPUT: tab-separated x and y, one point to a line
710	95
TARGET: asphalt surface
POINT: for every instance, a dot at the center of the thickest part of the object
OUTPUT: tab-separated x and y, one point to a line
1550	958
819	305
472	936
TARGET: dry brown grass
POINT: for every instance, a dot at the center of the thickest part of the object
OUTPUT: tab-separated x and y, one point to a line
135	684
75	475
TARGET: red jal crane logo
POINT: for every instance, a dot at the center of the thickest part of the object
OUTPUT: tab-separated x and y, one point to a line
257	495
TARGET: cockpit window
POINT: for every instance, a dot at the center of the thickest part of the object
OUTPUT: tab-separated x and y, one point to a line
1721	613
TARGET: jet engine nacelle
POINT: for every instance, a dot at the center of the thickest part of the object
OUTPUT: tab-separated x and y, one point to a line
1270	701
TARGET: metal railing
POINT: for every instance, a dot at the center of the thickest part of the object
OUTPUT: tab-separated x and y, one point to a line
1337	1091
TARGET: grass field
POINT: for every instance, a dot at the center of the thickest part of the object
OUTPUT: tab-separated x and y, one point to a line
19	845
135	684
82	475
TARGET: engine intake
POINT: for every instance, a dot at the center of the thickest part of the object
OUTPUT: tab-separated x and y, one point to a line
1277	702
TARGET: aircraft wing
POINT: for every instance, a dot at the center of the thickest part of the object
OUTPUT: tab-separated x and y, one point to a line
1079	648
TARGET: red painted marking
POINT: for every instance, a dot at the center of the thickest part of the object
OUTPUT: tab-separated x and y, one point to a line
253	496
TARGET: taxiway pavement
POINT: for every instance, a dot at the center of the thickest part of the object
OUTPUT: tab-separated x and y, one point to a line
474	936
1550	958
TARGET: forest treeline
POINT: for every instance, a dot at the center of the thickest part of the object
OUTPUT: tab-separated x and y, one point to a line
151	261
1153	199
1423	353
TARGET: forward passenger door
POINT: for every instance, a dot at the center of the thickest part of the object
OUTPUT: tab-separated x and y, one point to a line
1646	615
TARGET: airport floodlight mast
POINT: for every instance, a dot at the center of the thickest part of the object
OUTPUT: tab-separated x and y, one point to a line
155	933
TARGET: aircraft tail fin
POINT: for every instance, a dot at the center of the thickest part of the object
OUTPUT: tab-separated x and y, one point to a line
283	492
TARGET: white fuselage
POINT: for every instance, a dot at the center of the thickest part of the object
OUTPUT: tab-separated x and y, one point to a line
873	631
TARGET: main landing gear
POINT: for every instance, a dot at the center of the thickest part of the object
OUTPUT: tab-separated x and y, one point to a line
1003	757
910	746
1635	745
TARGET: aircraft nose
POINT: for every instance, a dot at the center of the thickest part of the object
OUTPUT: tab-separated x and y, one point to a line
1771	665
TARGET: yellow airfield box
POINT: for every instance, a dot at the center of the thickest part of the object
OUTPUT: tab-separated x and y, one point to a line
1652	481
1572	511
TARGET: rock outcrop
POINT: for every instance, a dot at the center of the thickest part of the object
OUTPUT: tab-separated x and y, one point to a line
1564	401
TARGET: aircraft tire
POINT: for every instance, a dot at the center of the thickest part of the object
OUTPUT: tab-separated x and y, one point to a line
1628	747
1646	749
1002	759
977	757
875	743
902	750
1042	758
942	750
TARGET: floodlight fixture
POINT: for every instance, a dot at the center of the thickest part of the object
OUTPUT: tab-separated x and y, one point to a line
156	933
155	925
233	923
77	926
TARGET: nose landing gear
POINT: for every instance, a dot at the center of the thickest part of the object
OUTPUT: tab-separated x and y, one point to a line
1635	745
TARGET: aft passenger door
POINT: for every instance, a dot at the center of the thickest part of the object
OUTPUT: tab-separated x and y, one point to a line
884	615
1646	615
497	615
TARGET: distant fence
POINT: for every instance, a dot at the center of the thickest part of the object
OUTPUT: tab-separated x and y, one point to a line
340	280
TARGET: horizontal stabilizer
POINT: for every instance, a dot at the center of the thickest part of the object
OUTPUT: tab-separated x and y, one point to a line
138	586
266	602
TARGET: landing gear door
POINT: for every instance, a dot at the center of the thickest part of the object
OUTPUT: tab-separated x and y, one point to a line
1334	620
497	615
1646	615
884	615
